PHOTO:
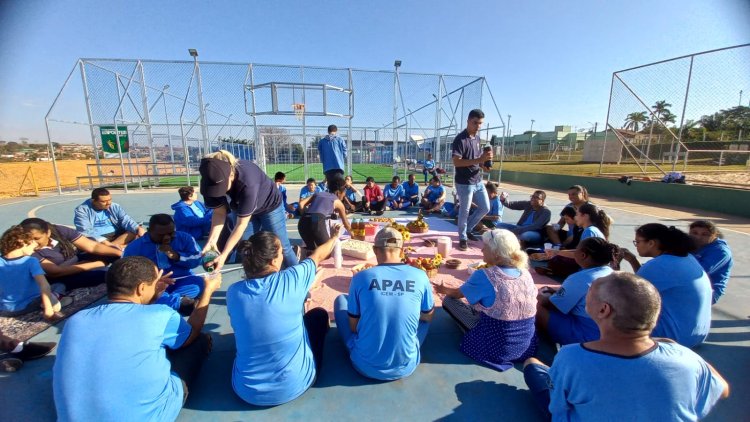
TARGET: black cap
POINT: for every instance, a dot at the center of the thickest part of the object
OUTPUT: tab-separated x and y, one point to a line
214	177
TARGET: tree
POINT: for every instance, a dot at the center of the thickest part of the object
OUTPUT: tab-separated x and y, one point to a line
661	109
633	120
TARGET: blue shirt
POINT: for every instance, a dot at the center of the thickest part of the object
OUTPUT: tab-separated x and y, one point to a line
667	383
496	207
479	288
332	151
282	190
274	363
685	298
434	193
592	231
305	192
429	164
571	297
410	190
102	224
388	299
17	285
111	364
351	194
389	192
716	259
182	243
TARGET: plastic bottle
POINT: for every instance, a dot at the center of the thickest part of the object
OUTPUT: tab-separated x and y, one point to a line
338	258
208	258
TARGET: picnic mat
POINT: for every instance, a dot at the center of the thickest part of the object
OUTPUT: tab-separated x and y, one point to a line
25	326
332	281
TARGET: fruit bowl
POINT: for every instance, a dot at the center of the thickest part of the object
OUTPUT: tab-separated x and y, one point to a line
453	263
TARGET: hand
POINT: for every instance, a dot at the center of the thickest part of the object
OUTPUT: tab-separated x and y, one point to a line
551	252
439	288
486	156
163	281
212	282
53	317
336	231
218	263
546	290
140	232
112	245
209	246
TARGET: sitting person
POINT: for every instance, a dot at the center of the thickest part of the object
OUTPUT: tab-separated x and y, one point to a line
291	209
561	312
714	255
495	215
684	287
350	199
175	253
557	234
128	358
23	287
411	191
656	379
433	197
563	266
279	350
593	221
535	216
313	226
394	195
309	189
190	215
499	319
385	318
105	221
373	201
429	168
69	257
14	353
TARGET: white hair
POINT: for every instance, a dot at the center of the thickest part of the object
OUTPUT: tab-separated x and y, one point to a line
505	246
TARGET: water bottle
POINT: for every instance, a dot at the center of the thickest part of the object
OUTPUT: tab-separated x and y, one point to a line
207	259
488	163
338	259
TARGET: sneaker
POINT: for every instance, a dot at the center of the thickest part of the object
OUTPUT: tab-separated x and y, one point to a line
187	306
8	364
33	351
65	301
379	213
473	237
463	245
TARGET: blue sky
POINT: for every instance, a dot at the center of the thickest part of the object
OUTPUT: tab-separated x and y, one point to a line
546	60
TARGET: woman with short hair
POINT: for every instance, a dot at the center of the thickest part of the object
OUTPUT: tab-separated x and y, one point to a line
499	319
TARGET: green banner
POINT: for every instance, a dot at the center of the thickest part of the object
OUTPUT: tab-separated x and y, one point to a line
109	139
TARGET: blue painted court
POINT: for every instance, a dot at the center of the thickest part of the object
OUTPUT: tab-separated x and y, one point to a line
446	386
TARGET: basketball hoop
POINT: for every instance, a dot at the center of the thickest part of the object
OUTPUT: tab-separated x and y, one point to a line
299	111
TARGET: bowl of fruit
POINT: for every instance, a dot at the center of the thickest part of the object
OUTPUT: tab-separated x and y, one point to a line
418	225
428	265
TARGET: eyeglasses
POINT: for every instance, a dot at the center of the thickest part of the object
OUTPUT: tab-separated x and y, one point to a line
636	242
537	197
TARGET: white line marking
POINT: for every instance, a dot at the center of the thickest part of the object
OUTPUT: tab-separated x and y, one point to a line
32	212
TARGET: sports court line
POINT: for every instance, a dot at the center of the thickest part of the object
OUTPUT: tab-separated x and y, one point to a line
32	212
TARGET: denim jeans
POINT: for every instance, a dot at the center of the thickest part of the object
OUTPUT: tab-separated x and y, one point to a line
275	222
466	195
341	315
531	237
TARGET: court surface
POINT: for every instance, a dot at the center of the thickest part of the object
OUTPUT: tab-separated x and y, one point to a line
446	386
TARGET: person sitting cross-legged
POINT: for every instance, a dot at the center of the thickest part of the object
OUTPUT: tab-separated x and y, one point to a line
499	319
411	191
191	215
384	319
174	252
350	199
373	200
535	217
128	358
495	214
14	353
279	348
626	374
433	197
394	195
105	221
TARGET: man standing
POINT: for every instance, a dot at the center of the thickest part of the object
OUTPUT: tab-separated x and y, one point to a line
468	158
105	221
384	319
656	379
332	151
127	359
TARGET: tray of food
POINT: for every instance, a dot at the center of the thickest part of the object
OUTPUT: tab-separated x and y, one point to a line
357	249
476	266
541	257
381	220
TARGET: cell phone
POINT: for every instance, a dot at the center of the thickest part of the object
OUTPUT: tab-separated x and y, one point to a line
488	163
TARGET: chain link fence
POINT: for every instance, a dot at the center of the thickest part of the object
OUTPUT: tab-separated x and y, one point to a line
689	114
149	122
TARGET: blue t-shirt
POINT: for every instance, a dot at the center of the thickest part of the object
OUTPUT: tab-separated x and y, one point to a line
410	190
479	288
282	190
351	194
667	383
496	207
429	164
388	299
716	260
389	192
17	285
685	298
111	364
571	297
103	224
197	210
592	231
274	362
434	193
306	192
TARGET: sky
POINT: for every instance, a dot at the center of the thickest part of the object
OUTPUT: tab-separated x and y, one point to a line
546	60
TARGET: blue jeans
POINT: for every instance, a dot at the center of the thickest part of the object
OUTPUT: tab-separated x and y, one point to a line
530	237
538	380
466	195
274	222
189	287
341	315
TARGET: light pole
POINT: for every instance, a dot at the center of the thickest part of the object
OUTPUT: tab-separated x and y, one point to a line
531	137
740	104
204	130
396	65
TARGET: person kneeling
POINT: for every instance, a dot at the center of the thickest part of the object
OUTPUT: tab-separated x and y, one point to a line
279	349
130	359
385	318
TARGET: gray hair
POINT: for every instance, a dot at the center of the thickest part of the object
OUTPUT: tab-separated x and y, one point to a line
505	246
635	302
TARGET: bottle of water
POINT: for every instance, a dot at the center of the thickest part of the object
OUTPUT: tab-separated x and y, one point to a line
208	258
338	258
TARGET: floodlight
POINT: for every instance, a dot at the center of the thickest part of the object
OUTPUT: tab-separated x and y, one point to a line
193	52
397	63
166	87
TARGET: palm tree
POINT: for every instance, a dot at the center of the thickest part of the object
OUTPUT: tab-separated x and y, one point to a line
661	108
668	117
633	120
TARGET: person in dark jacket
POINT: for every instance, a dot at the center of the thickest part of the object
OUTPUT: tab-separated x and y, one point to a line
191	215
535	217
